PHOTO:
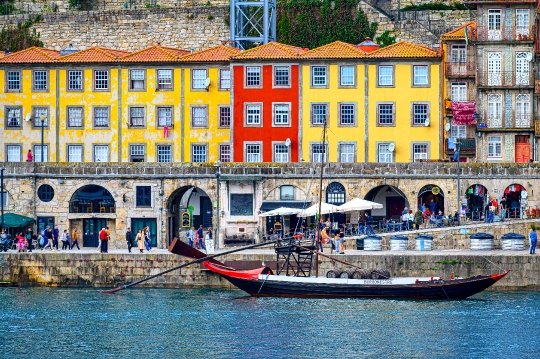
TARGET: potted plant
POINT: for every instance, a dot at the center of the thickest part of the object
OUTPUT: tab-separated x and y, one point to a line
448	103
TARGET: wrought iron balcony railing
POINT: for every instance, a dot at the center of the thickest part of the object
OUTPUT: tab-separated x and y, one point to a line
523	121
460	68
503	33
504	78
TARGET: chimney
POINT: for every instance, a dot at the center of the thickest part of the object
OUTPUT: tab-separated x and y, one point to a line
368	45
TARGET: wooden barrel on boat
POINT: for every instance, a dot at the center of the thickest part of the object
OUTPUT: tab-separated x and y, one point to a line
334	273
373	243
423	242
399	242
482	242
346	274
513	242
380	273
362	274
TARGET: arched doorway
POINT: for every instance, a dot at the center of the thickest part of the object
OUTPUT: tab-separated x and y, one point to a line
516	200
431	193
188	206
393	200
336	195
477	197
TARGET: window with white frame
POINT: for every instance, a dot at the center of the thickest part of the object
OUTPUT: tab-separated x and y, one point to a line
75	153
281	114
14	153
75	80
523	110
458	131
101	153
281	76
385	114
165	79
164	153
347	152
459	91
101	80
198	153
494	110
40	80
420	151
420	113
253	153
347	114
224	116
494	146
37	153
346	76
253	114
136	80
137	153
164	116
458	54
286	193
386	76
384	155
318	113
281	153
75	117
522	22
13	80
225	153
101	117
198	77
224	79
136	117
38	113
420	75
253	76
319	153
318	76
199	116
14	117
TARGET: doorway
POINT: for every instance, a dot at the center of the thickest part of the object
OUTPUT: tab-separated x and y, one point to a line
523	149
43	222
91	228
394	206
139	223
206	212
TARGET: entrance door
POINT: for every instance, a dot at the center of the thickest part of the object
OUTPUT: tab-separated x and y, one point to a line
206	212
394	207
43	222
494	69
523	149
91	228
140	223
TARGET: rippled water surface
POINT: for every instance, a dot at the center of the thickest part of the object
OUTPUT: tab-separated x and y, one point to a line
181	323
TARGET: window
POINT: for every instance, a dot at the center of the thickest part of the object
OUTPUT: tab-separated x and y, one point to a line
385	114
522	22
253	76
253	153
281	114
420	151
101	80
75	80
319	153
495	146
75	153
335	194
101	153
522	68
45	193
224	153
37	113
281	153
347	114
459	91
420	75
101	117
286	193
523	111
281	76
346	152
253	114
494	23
164	116
495	110
420	114
164	153
4	198
13	81
136	80
199	117
386	76
40	80
14	153
346	76
164	80
224	79
143	195
458	131
318	76
136	117
14	117
458	54
384	155
37	153
198	153
74	117
198	77
224	116
318	114
136	153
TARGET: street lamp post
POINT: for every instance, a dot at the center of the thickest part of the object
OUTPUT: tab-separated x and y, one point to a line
42	118
458	145
2	195
218	207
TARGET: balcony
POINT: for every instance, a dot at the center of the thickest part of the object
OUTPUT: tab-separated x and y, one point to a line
504	79
460	69
518	122
467	146
507	33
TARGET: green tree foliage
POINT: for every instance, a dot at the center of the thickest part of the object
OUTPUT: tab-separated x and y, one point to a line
313	23
7	7
387	38
20	37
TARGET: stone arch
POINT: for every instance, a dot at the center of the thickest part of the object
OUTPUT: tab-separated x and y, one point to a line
92	198
431	192
516	199
392	198
476	196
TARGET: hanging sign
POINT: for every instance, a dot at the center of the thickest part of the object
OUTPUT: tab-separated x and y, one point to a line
186	220
435	190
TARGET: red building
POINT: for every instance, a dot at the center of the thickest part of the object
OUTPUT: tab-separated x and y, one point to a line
265	104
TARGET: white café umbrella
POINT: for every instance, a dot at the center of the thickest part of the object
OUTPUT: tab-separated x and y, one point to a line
313	210
281	211
358	204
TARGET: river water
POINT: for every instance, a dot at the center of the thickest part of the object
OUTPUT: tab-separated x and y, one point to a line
203	323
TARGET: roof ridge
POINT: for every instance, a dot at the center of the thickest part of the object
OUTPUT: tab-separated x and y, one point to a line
156	46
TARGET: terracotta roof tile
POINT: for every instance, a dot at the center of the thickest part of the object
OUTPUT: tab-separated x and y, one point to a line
93	54
218	53
114	52
155	53
32	55
271	51
458	33
404	49
334	50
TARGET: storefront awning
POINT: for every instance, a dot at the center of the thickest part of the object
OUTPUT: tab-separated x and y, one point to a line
270	205
12	220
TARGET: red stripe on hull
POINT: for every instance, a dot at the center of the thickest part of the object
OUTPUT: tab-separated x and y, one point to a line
226	271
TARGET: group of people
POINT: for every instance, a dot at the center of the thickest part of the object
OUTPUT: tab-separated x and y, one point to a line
50	238
494	207
196	237
143	238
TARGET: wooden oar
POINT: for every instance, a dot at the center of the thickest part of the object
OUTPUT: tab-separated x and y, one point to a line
110	291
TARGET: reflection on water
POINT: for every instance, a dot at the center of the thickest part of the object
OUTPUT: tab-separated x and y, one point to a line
197	323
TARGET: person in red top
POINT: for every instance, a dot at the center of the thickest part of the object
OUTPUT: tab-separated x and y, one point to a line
29	157
427	216
104	238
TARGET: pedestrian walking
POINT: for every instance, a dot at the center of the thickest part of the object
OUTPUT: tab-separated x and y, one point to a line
129	239
139	238
65	239
29	238
201	237
48	239
418	217
29	157
208	236
56	236
99	237
503	207
191	237
533	238
104	240
147	238
75	239
21	240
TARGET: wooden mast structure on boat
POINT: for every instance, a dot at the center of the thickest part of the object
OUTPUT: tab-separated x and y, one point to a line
319	233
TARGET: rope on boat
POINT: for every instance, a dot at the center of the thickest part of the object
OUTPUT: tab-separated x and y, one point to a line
495	264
